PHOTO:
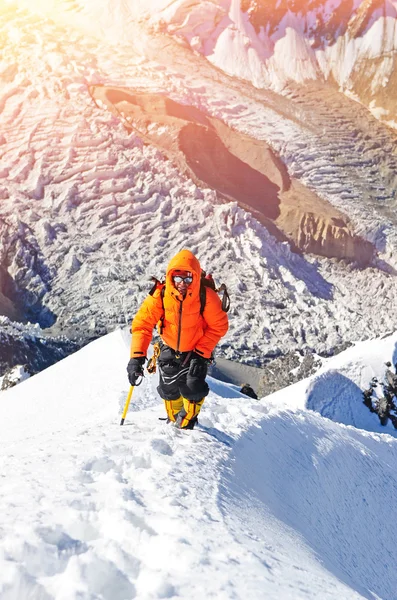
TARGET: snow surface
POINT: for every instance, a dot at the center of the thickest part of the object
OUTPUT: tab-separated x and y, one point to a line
269	499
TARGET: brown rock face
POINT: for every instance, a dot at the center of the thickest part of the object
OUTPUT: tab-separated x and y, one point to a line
211	162
239	168
360	19
269	13
326	236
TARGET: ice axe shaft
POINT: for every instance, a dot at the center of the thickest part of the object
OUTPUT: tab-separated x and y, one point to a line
127	404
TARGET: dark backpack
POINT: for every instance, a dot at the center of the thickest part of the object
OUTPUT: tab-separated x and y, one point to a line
206	281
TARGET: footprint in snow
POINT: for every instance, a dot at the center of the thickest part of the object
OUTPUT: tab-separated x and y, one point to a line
84	527
65	545
138	522
99	465
161	447
103	578
141	461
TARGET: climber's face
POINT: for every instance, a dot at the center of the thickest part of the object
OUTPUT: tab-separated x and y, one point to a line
182	280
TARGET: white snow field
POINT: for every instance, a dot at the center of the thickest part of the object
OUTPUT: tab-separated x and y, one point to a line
269	499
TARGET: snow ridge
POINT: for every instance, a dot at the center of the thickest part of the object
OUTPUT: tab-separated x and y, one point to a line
266	499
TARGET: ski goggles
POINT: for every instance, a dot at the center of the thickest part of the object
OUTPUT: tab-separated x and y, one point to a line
186	279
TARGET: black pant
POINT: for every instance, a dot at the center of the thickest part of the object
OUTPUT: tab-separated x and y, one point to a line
175	379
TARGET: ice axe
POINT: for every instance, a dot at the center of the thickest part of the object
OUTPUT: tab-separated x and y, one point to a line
127	404
137	381
151	368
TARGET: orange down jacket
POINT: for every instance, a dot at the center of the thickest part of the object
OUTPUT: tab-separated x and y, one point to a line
180	324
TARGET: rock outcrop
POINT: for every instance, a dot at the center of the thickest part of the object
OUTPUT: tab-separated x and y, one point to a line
361	18
14	376
354	45
28	345
286	370
24	275
325	236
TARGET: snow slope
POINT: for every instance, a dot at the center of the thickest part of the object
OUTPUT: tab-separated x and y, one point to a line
269	499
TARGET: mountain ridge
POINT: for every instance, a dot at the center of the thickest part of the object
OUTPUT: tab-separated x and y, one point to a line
283	499
348	44
102	210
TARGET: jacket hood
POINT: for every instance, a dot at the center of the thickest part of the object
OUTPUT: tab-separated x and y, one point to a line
184	261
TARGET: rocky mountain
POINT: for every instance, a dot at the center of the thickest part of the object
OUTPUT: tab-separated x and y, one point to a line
29	346
127	135
25	277
13	376
350	44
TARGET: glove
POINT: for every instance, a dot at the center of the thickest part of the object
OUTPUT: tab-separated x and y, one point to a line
135	369
198	366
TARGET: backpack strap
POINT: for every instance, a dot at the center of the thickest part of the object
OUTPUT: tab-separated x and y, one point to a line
208	281
203	297
225	298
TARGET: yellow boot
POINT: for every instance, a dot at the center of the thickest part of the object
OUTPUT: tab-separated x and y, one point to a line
173	407
187	417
